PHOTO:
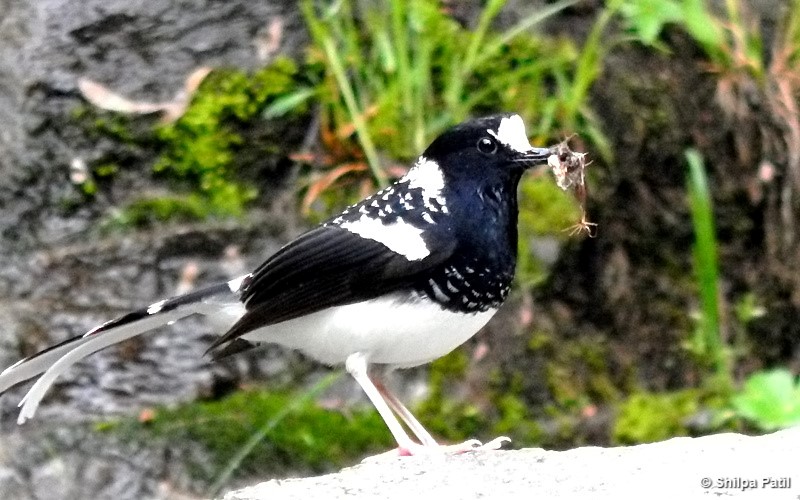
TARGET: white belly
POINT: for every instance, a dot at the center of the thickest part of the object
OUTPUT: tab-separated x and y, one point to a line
387	330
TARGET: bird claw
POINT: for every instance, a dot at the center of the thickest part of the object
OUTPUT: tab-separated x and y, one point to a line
475	445
416	449
495	444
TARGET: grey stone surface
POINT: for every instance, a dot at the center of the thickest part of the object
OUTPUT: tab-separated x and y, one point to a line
141	49
59	278
12	485
64	462
735	465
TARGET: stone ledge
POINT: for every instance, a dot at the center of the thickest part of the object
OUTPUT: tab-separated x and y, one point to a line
670	469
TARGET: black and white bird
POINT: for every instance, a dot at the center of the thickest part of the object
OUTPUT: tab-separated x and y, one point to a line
399	279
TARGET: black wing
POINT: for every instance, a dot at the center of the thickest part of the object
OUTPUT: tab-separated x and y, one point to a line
325	267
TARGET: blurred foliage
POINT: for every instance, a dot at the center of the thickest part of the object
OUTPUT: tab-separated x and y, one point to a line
274	430
647	417
646	19
164	208
203	154
458	419
578	373
769	399
444	416
730	39
756	82
708	343
396	73
201	146
387	77
516	420
544	210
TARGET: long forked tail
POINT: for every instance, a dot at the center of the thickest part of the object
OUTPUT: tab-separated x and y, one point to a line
56	360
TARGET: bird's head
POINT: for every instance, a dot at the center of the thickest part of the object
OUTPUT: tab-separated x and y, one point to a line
486	147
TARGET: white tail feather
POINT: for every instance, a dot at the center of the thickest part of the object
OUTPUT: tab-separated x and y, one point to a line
220	302
92	344
28	368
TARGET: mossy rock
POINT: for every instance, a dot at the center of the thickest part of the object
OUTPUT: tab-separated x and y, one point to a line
210	435
648	417
217	159
445	416
221	147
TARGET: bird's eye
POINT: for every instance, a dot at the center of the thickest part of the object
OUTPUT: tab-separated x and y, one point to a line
487	146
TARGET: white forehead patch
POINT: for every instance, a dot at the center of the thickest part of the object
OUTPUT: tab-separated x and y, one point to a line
511	132
426	175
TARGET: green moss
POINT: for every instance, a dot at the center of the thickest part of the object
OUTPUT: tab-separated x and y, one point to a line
544	207
540	340
578	373
123	129
452	421
647	417
310	438
544	210
210	158
105	170
119	141
117	127
92	183
450	367
88	187
516	421
148	211
202	147
545	398
445	417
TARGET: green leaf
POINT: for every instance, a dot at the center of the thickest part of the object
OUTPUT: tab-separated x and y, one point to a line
770	399
646	19
701	24
706	264
288	102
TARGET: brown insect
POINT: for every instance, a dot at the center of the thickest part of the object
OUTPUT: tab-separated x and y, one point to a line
569	169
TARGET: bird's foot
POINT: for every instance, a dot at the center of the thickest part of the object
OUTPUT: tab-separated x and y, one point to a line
474	445
416	449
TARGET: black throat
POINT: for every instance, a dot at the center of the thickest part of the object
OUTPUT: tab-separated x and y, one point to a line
479	274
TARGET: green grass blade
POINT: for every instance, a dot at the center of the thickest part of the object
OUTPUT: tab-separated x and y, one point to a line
493	46
288	102
490	11
400	28
705	261
588	66
354	111
302	400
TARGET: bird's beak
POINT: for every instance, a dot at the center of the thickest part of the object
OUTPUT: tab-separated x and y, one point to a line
534	156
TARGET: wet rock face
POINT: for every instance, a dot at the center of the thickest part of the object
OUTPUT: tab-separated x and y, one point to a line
85	466
142	49
56	283
69	290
